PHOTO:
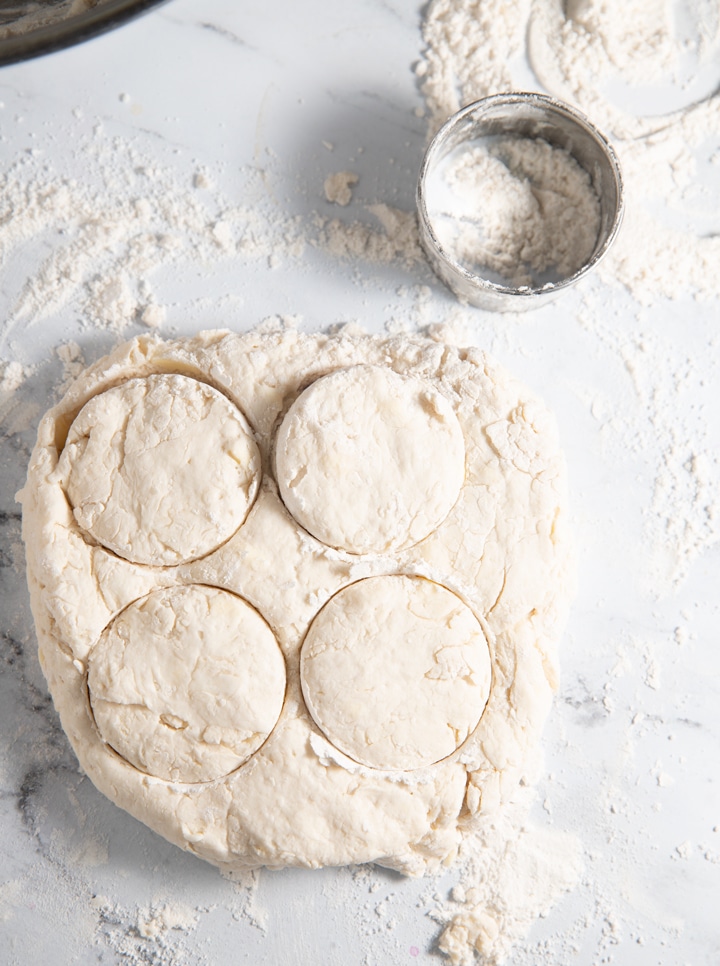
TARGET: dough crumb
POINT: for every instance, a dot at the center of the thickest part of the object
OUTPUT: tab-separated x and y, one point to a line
154	316
12	376
338	187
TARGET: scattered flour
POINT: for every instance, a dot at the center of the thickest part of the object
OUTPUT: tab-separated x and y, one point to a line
109	234
107	242
154	934
682	518
509	877
156	920
245	905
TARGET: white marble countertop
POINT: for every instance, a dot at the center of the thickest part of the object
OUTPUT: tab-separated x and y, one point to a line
257	103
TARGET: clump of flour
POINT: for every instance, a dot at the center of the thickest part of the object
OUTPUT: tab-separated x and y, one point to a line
518	210
338	187
393	238
12	376
12	413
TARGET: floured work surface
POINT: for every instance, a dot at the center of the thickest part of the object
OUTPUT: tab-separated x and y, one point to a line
298	597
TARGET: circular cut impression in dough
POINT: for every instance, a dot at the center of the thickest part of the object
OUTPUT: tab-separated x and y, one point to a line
396	671
187	683
369	461
161	469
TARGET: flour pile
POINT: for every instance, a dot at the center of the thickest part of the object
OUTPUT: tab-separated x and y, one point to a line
515	210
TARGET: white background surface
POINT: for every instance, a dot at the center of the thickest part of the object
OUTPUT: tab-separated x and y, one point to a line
633	745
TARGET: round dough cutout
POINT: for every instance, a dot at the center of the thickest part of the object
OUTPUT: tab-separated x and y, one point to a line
370	461
396	671
187	683
161	470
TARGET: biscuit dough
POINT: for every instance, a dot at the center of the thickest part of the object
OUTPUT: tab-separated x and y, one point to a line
186	683
396	671
160	469
368	460
258	689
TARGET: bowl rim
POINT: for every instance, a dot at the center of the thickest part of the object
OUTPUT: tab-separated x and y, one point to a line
71	30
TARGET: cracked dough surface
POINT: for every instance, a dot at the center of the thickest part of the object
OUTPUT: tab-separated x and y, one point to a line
355	671
396	671
354	464
160	469
186	683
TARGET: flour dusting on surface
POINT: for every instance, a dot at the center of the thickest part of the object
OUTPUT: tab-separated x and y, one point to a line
509	877
107	240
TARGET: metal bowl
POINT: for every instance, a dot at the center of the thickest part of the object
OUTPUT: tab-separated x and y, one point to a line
32	28
526	115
